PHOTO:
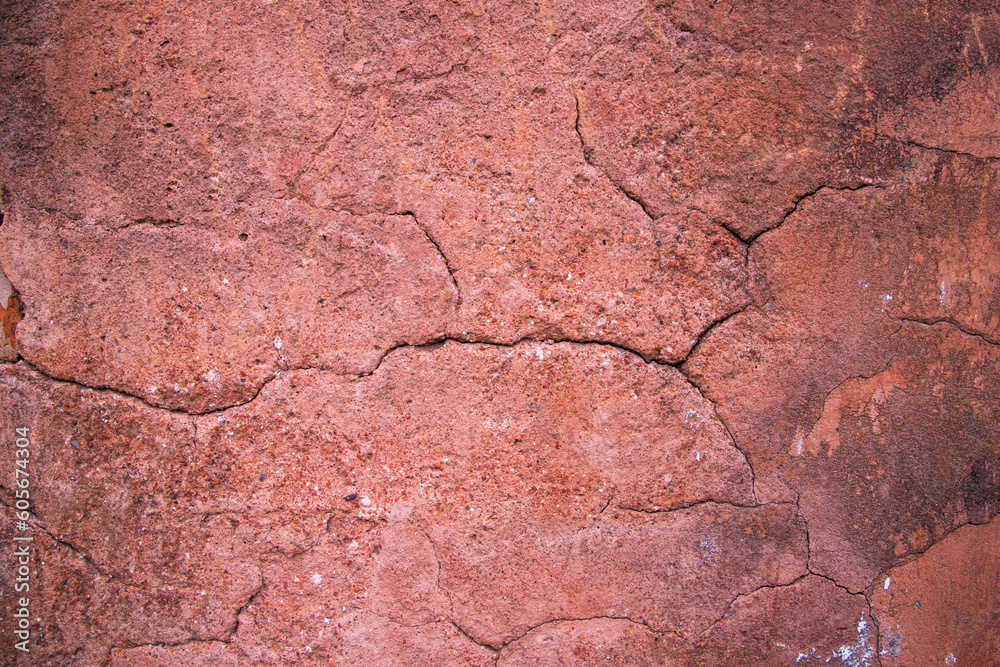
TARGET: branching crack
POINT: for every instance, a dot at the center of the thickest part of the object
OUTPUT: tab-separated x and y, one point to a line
651	214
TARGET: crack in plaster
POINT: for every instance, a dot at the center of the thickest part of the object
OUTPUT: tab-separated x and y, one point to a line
587	154
642	624
293	185
751	240
938	149
739	596
79	552
699	503
242	608
127	396
913	555
492	649
444	258
954	325
151	222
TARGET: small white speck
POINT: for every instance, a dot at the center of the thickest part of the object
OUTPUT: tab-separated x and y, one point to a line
277	343
211	376
697	456
365	502
225	281
317	578
184	289
887	582
950	659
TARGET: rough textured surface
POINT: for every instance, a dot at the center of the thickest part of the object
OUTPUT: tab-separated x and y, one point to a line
657	332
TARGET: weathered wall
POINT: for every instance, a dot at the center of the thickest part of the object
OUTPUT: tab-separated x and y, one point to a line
441	333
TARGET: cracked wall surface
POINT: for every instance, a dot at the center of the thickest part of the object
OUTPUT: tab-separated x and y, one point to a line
657	332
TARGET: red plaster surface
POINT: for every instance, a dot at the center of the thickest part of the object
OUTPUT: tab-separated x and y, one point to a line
387	333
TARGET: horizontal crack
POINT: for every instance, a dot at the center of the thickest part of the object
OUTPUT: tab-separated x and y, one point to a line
528	339
953	324
182	642
938	149
152	222
126	395
699	503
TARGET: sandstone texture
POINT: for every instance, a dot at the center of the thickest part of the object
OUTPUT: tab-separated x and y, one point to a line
655	332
